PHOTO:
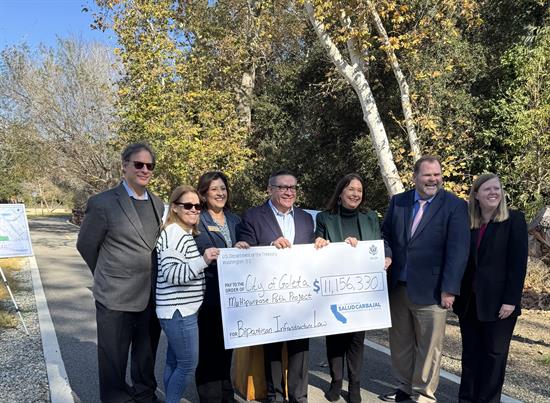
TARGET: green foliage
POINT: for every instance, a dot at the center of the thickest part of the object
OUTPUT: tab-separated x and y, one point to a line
309	120
170	94
471	67
521	123
432	43
544	360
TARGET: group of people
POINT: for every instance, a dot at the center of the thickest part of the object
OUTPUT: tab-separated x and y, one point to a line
441	253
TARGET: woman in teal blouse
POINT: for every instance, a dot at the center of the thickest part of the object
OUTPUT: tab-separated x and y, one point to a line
346	220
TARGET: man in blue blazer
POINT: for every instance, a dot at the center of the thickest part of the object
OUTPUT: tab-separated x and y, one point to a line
277	222
428	233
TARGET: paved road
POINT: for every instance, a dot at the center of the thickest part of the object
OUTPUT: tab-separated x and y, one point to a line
67	284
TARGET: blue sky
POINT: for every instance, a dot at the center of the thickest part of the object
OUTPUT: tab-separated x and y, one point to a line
39	21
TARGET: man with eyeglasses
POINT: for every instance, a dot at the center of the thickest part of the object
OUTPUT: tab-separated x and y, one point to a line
279	223
117	240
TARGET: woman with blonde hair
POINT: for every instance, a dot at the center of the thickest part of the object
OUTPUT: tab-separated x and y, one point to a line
490	295
180	289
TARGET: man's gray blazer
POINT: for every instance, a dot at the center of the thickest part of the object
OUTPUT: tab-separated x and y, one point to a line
113	244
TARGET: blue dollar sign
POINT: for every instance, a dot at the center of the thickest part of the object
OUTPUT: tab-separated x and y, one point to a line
316	287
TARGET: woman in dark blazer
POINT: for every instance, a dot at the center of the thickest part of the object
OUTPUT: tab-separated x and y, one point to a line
216	229
346	220
490	295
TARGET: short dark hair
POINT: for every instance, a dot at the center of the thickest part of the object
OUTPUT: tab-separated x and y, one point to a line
280	172
425	158
133	148
204	184
333	203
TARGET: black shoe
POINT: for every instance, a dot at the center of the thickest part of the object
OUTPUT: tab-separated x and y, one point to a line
333	394
354	390
395	396
158	399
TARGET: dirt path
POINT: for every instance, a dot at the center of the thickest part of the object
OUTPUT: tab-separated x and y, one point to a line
527	376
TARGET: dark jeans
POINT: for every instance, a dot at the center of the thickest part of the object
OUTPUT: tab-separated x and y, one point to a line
213	376
350	346
485	348
117	331
182	354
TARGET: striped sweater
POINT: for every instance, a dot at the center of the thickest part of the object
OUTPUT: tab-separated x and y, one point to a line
180	281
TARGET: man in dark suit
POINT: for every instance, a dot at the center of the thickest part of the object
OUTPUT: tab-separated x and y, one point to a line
277	222
428	233
117	240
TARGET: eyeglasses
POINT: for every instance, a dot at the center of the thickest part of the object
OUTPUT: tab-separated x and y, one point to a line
139	165
189	206
285	188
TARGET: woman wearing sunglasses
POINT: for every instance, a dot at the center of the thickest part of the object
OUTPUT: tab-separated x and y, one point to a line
180	289
216	229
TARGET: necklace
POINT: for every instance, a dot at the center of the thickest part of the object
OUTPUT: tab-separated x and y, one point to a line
219	218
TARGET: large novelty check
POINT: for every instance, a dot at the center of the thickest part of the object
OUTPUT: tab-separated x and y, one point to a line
270	294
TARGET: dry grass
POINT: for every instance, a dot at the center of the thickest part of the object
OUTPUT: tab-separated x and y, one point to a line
529	358
538	275
7	320
12	263
536	294
37	211
9	266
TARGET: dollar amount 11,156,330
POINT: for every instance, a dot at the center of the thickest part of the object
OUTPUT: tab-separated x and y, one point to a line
346	284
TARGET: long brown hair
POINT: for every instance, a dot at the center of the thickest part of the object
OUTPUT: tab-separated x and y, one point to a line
474	210
172	217
334	201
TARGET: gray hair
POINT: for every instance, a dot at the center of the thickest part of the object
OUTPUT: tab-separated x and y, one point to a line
133	148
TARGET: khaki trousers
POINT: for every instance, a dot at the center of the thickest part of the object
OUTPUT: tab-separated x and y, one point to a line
416	342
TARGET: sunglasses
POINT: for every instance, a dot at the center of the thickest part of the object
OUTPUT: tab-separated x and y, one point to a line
139	165
189	206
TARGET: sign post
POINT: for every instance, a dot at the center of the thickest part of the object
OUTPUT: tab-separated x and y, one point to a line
15	241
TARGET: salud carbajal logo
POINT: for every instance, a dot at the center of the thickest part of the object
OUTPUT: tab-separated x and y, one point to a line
373	250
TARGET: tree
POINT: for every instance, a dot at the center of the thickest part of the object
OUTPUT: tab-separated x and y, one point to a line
401	80
417	29
21	160
354	72
173	93
522	121
65	99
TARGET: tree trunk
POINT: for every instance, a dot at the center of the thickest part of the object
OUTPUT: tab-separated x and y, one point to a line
539	231
401	80
244	97
354	75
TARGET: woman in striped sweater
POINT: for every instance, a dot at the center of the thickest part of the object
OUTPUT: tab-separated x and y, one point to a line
180	289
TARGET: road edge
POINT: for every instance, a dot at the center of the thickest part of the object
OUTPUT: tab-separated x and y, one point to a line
60	389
